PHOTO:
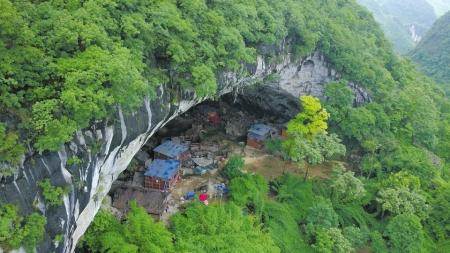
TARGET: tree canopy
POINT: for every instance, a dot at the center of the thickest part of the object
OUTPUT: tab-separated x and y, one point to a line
67	65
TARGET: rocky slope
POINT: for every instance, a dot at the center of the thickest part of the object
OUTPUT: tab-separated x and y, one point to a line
106	148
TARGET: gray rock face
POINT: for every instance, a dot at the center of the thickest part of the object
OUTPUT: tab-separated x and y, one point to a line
106	148
309	76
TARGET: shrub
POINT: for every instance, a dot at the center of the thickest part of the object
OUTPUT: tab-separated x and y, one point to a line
137	233
249	190
321	215
331	240
377	242
405	233
10	150
52	194
274	146
74	160
234	166
295	192
355	236
283	227
219	228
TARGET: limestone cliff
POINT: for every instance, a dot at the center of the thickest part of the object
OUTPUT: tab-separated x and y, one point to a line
106	148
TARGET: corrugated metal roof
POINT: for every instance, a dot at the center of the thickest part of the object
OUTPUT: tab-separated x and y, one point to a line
164	169
171	149
260	129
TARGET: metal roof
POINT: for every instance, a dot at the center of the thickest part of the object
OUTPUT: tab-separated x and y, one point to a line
164	169
260	129
171	149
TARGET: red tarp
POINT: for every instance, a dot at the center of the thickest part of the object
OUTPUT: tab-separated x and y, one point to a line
203	197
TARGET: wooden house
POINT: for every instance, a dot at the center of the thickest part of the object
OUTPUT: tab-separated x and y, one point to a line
258	134
152	200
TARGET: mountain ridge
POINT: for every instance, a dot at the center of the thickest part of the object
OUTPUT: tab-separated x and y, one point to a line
404	22
433	53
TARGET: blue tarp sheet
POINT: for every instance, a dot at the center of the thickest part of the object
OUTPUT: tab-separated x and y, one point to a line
260	130
164	169
257	137
171	149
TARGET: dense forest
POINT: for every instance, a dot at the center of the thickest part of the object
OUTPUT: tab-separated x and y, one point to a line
67	64
433	53
397	18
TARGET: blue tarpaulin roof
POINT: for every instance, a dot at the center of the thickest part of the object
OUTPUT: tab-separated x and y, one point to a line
171	149
260	129
164	169
256	137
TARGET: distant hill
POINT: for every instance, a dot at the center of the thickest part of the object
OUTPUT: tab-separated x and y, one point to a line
404	22
433	52
440	6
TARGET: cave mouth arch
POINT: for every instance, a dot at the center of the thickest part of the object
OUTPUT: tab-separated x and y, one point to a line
236	114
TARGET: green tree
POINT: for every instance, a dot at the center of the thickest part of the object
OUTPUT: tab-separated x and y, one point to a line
307	139
356	236
105	234
219	228
378	244
345	187
10	151
403	201
405	233
332	240
401	193
137	233
312	120
438	222
339	101
17	231
321	215
234	166
141	230
249	190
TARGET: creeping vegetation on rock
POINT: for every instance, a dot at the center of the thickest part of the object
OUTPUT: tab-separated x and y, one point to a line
10	149
52	194
74	160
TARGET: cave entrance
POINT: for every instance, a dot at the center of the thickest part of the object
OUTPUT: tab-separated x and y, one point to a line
211	131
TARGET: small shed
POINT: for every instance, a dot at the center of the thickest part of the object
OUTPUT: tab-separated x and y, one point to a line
171	150
258	134
162	174
152	200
